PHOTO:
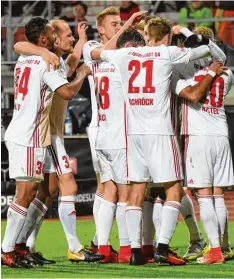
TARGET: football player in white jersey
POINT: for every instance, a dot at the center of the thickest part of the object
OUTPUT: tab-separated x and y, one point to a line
111	150
208	160
28	134
57	160
155	197
149	126
108	25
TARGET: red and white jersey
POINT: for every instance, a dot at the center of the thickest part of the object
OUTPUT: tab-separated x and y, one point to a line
112	111
146	77
208	116
93	64
34	87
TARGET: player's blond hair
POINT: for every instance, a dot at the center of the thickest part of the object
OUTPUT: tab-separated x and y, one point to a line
108	11
56	23
205	31
140	25
158	28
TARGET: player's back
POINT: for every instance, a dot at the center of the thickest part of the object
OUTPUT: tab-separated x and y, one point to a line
146	74
112	115
208	116
29	125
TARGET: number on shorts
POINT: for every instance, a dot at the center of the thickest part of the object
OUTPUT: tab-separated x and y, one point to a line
216	92
136	67
64	158
102	87
40	168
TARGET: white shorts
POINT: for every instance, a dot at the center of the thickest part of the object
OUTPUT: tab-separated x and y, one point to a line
57	159
113	165
92	134
208	162
26	163
154	158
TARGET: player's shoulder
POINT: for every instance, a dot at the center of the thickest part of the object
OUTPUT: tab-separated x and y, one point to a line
91	45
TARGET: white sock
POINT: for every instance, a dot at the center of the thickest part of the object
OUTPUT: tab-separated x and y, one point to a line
16	217
67	215
31	241
105	221
209	219
37	209
221	212
226	242
134	217
122	224
96	205
157	216
148	230
187	211
170	213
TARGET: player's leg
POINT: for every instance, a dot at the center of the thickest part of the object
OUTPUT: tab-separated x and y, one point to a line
196	241
46	191
125	248
23	164
92	134
170	174
200	173
223	177
107	208
67	198
138	175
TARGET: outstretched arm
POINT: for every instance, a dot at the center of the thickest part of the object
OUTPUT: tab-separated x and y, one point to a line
195	93
30	49
74	58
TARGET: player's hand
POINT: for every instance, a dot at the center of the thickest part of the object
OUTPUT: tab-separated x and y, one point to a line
84	71
50	59
176	29
217	68
136	17
81	30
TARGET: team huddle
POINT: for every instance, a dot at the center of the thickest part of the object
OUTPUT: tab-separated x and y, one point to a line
147	97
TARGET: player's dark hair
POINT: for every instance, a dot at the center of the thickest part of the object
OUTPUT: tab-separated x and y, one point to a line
34	28
131	35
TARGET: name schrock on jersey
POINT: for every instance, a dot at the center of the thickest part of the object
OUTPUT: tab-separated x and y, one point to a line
146	76
208	116
112	114
93	65
34	87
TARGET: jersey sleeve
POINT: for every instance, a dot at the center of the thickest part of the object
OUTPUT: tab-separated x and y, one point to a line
178	82
179	55
53	79
89	47
108	56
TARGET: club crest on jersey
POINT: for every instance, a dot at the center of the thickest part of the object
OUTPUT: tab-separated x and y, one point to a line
93	43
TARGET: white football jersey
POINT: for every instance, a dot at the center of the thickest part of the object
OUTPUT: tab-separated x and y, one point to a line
112	111
93	64
34	87
146	77
208	116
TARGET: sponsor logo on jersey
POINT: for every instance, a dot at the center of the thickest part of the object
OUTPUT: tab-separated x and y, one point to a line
210	110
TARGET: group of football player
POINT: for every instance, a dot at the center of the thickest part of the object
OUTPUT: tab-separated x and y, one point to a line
142	91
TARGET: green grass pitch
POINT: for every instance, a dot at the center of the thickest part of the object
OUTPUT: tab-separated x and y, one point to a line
52	242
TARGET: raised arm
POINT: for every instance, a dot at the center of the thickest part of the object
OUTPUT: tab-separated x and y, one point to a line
74	58
130	22
216	53
30	49
96	53
195	93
